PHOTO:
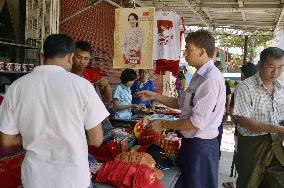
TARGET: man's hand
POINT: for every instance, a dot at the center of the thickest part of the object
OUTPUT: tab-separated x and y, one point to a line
157	126
281	131
281	136
135	95
103	82
147	95
7	141
136	106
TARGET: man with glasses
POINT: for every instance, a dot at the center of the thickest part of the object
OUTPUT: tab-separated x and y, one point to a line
259	110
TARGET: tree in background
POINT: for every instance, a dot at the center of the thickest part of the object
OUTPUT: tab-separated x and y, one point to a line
231	38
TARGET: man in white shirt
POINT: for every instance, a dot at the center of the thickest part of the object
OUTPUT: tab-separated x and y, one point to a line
48	111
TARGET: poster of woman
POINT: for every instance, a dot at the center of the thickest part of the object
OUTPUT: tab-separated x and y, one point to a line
133	38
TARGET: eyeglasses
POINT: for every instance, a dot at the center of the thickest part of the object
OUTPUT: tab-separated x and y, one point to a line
274	68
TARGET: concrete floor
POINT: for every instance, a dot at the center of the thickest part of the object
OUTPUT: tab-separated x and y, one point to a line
227	148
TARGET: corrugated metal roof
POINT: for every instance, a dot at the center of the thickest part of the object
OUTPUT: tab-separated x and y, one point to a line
238	14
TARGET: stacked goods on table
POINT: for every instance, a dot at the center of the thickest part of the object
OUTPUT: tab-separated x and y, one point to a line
159	110
140	167
167	111
120	141
170	142
131	169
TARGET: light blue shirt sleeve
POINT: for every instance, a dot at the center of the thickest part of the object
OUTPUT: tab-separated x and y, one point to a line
124	97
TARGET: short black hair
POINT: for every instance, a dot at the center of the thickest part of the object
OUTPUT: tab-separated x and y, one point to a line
128	75
58	45
271	52
202	39
135	17
249	69
84	46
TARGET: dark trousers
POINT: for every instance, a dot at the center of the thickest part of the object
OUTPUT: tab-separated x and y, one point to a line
257	164
198	160
219	137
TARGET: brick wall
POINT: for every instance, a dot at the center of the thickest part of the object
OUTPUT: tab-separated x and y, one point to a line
96	25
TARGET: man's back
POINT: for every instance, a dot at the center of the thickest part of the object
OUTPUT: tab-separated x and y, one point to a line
51	109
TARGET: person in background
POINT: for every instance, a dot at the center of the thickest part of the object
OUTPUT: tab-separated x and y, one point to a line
259	111
225	117
202	108
228	97
49	112
218	64
247	70
142	83
81	60
122	97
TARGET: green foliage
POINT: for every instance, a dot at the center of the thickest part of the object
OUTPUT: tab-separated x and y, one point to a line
236	38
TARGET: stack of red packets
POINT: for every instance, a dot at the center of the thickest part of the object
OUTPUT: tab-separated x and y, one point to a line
127	175
131	170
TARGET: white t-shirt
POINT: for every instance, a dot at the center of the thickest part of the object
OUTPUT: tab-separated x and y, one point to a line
167	27
51	108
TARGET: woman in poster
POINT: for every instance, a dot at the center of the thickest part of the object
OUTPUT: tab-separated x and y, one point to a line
133	41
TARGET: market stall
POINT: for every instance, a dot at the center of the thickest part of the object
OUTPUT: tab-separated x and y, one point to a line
133	135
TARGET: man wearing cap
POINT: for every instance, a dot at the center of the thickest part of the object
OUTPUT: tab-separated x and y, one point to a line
202	108
259	111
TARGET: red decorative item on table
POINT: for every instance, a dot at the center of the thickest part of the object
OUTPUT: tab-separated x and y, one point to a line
148	136
106	152
127	175
170	143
